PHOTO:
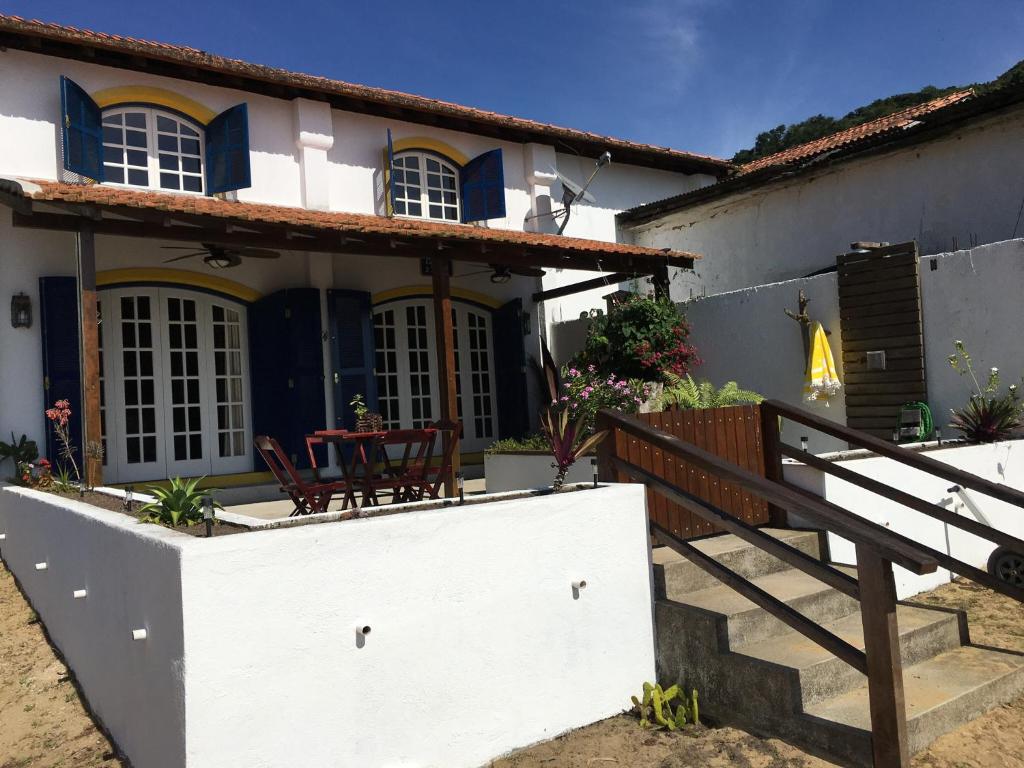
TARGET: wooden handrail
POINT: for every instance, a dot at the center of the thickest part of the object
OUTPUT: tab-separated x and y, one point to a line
902	497
847	524
902	455
780	549
855	657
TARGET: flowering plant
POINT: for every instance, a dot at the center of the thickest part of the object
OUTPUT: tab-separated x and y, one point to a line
60	419
587	391
988	415
640	338
35	474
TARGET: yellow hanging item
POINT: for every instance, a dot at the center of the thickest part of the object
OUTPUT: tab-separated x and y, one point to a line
822	380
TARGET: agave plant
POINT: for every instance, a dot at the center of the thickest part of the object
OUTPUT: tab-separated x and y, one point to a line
568	441
180	504
684	392
988	416
988	419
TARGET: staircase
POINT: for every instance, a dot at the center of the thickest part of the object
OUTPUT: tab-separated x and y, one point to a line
753	671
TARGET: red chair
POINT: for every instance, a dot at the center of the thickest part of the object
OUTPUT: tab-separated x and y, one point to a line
308	498
434	475
402	475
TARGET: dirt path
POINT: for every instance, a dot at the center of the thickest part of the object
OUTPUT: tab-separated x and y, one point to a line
43	723
995	740
42	720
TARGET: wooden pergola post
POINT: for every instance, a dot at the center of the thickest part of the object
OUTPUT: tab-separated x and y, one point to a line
89	347
445	343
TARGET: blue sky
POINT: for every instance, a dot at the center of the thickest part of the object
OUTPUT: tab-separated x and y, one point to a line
700	75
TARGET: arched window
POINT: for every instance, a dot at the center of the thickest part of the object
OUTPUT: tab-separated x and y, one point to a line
426	186
154	148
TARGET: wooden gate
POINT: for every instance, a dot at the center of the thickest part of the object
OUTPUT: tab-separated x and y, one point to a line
883	342
732	433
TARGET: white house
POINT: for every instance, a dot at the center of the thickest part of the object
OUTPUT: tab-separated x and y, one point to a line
261	245
946	173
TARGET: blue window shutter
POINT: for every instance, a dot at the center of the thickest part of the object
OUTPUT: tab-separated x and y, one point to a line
510	370
353	353
286	365
482	187
62	378
227	151
81	131
389	182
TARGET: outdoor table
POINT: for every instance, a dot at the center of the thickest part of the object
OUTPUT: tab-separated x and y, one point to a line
369	449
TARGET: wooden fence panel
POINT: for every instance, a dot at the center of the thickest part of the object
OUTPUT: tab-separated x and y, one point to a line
731	433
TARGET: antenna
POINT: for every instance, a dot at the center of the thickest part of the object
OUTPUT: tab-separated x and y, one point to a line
573	192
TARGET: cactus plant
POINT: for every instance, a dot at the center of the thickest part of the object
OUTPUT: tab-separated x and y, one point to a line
655	709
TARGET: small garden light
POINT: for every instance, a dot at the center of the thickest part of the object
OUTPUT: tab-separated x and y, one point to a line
460	482
938	436
593	466
128	492
208	514
896	435
803	444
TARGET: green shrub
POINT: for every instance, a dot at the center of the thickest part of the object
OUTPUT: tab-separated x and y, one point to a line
180	504
640	338
518	445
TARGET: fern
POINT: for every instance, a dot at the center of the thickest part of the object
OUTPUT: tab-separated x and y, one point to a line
684	392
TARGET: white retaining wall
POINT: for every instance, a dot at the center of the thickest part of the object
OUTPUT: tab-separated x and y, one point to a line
998	462
478	644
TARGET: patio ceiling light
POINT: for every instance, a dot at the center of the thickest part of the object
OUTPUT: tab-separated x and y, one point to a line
501	275
222	260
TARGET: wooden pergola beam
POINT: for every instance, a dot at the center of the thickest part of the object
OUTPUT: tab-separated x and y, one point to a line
89	347
604	281
444	334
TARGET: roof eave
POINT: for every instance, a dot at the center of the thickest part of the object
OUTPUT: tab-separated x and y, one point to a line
228	73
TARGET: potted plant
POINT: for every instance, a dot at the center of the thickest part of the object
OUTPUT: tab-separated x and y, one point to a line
366	420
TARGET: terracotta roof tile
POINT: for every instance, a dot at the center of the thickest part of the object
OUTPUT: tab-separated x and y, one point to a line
196	58
348	223
871	129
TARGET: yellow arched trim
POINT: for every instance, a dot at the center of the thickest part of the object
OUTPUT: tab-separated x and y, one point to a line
145	94
419	291
432	145
177	277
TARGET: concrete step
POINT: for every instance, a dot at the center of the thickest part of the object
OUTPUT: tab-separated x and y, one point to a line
747	623
924	633
941	693
674	575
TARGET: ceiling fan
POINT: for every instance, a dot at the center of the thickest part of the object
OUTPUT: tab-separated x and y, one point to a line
501	273
220	256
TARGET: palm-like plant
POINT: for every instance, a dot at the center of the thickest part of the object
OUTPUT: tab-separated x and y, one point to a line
568	441
988	416
684	392
180	504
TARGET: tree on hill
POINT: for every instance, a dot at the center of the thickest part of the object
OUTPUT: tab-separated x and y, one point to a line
785	136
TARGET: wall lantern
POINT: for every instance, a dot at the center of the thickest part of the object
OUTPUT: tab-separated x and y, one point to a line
21	311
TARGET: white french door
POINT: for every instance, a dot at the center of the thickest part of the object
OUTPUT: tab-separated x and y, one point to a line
406	369
175	394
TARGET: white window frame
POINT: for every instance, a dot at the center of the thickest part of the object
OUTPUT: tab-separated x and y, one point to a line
153	151
421	157
471	441
117	469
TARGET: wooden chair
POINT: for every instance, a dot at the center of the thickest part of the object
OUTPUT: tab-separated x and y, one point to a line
308	498
403	475
435	475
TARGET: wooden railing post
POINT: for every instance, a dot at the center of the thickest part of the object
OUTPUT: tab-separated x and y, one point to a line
885	668
770	439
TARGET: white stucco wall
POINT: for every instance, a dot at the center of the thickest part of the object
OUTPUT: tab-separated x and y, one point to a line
960	189
132	575
478	643
745	336
514	471
997	462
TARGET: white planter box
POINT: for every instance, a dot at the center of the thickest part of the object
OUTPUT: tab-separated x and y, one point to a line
516	471
251	655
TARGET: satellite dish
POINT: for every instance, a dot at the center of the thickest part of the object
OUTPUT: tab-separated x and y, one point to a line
579	191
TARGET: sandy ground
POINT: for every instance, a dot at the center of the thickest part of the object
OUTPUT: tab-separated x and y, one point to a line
995	740
43	722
